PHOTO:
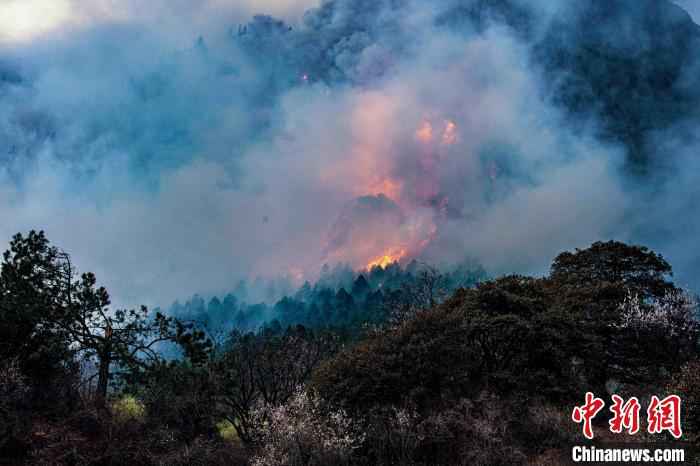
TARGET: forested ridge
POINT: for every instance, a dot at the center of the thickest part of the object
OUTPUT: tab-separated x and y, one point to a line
340	298
432	370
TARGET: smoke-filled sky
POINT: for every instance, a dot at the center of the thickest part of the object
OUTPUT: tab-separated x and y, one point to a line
692	7
170	164
26	20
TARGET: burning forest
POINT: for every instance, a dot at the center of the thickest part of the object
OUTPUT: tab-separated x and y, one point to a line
349	232
246	146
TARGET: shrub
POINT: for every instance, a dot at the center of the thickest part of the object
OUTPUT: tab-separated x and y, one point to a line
181	399
304	431
227	432
393	436
425	358
686	384
13	420
474	432
482	431
654	336
128	409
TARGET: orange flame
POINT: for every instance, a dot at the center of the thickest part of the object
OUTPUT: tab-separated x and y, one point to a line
425	132
449	136
367	171
387	259
390	188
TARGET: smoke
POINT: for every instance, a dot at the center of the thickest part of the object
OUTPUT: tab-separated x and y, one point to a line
173	152
691	7
27	20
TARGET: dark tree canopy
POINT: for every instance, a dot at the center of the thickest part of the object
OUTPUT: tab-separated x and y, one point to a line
53	317
636	267
534	337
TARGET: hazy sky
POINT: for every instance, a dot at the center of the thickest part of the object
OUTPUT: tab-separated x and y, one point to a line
20	19
692	7
170	166
24	20
161	180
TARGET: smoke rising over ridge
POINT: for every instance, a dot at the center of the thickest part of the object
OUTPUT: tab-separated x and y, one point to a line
173	157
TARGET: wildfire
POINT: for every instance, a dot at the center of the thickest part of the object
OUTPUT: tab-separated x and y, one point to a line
449	135
389	187
387	259
425	132
398	197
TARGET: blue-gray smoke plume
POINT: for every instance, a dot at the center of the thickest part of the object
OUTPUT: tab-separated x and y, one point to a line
174	156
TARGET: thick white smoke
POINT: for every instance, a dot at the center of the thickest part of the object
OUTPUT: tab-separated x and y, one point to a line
170	170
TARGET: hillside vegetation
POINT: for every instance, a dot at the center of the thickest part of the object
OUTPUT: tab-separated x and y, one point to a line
485	375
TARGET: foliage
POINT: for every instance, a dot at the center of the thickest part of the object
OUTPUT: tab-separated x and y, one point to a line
304	431
31	295
13	400
482	374
523	336
266	368
227	432
55	317
180	398
340	299
394	435
128	408
686	384
428	289
655	337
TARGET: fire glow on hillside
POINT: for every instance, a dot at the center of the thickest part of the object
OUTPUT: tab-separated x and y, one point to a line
387	259
396	212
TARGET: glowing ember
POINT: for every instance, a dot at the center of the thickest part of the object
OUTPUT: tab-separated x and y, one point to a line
449	135
390	188
425	133
387	259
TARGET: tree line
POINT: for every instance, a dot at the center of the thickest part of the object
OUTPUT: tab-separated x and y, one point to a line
406	367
